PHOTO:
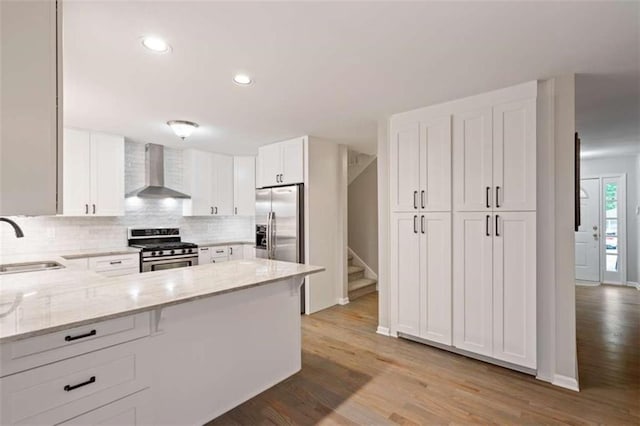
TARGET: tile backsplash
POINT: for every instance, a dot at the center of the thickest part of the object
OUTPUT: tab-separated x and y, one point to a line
51	234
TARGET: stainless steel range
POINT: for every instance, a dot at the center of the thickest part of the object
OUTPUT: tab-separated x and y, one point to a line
162	248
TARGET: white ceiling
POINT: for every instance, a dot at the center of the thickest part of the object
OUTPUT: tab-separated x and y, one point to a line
328	69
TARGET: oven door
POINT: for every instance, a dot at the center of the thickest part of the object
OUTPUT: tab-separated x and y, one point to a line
162	264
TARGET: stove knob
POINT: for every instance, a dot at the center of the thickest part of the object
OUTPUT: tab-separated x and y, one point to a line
184	251
172	252
190	250
153	253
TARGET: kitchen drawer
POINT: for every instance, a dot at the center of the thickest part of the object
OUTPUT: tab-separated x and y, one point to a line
109	263
219	251
63	390
120	272
32	352
133	410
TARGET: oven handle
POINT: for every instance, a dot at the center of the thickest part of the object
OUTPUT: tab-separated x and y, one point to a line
171	258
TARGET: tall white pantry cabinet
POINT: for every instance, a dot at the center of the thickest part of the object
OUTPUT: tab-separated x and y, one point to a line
462	187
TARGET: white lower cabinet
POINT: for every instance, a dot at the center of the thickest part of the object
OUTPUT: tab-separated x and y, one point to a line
236	252
421	267
109	266
134	409
60	391
495	285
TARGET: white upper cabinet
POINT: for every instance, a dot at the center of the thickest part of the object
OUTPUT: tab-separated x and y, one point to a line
281	163
435	165
405	167
514	155
30	108
420	167
244	183
514	288
93	174
222	185
208	179
197	180
473	160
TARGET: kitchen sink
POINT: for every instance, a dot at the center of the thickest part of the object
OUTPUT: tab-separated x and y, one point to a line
16	268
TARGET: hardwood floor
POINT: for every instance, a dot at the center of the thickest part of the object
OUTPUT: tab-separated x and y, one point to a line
350	375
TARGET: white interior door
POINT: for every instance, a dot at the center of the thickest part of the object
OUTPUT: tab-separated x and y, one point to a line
588	235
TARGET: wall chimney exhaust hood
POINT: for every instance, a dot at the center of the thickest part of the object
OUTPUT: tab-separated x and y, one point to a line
154	176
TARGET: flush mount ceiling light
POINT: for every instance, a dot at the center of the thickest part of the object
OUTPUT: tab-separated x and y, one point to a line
182	128
242	80
155	44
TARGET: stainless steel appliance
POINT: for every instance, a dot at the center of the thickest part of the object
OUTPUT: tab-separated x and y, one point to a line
162	248
280	225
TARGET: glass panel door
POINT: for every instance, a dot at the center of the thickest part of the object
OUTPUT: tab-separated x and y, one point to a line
613	196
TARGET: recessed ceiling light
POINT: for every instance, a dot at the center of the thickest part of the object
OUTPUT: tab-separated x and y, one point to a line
182	128
156	44
242	79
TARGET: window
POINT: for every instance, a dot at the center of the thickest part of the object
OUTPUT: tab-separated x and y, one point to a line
611	194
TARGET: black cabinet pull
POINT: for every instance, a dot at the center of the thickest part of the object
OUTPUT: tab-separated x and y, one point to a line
488	191
497	196
211	210
487	226
422	193
422	223
69	388
80	336
231	251
94	209
215	209
115	262
86	209
415	224
236	210
415	199
204	248
497	229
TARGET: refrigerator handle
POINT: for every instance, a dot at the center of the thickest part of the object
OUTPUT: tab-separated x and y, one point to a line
269	235
273	235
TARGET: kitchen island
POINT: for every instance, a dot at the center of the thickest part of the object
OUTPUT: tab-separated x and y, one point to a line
180	346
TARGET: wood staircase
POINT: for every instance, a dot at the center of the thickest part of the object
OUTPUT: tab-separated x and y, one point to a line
358	284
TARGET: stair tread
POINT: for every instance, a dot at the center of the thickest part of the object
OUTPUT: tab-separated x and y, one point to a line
354	269
360	283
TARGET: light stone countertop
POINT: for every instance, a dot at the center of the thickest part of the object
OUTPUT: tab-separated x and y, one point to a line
34	303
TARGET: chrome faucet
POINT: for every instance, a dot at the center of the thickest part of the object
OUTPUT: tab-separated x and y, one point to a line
19	233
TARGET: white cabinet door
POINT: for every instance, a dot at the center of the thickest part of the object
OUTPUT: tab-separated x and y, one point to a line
133	410
435	277
76	172
222	186
405	272
292	153
107	175
405	167
31	88
473	282
204	255
244	184
249	252
270	165
472	160
514	155
435	165
236	252
514	288
198	183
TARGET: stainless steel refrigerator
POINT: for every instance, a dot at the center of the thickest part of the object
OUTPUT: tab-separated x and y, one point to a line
280	225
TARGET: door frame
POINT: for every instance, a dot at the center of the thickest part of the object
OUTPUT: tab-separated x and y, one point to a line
622	225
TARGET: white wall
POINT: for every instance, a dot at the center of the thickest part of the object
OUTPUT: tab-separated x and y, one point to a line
617	165
384	235
54	234
325	226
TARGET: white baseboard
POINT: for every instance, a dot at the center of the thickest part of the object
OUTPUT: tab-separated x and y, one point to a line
343	301
565	382
587	283
383	330
633	284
